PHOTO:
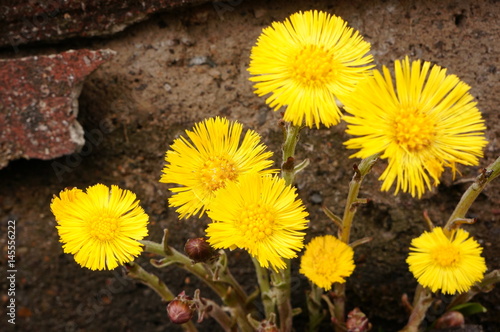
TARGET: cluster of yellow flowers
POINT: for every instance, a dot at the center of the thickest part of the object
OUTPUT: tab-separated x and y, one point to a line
251	208
425	121
311	63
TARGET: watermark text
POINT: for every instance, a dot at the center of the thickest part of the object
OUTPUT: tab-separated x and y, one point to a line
11	271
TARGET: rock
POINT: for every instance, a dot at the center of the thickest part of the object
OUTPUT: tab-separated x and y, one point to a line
201	60
27	21
315	197
39	103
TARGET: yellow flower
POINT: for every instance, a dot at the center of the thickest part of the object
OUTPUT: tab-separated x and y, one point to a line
426	122
100	227
260	214
449	264
327	260
305	63
212	158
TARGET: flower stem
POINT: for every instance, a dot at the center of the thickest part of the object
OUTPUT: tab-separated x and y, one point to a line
282	278
315	307
486	176
207	307
222	283
360	172
290	142
135	271
345	232
265	288
339	307
223	274
281	284
421	302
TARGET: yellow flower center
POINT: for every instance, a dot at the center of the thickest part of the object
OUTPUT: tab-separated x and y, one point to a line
413	130
103	226
446	255
256	222
312	65
324	267
216	171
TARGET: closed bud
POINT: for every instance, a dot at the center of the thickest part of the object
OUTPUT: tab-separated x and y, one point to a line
181	309
451	319
199	250
357	321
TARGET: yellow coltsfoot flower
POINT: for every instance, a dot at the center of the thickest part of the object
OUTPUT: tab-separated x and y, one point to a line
100	227
448	264
211	156
327	260
260	214
426	122
306	63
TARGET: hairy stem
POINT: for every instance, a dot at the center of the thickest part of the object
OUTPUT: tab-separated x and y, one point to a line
135	271
226	287
290	142
486	176
315	307
360	172
281	284
281	281
353	201
265	288
421	302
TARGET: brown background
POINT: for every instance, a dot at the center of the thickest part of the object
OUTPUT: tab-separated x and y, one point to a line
155	88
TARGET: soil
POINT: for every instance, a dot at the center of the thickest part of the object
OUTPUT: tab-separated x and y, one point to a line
181	67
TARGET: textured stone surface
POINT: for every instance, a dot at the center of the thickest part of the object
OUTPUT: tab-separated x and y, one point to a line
39	103
27	21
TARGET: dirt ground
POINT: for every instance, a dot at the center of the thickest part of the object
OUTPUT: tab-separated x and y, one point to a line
181	67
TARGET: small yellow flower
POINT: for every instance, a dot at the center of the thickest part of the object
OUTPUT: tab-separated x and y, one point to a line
101	227
260	214
212	157
449	264
426	122
327	260
305	63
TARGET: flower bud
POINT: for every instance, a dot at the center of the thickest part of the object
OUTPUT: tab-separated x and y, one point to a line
450	319
357	321
181	309
199	250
